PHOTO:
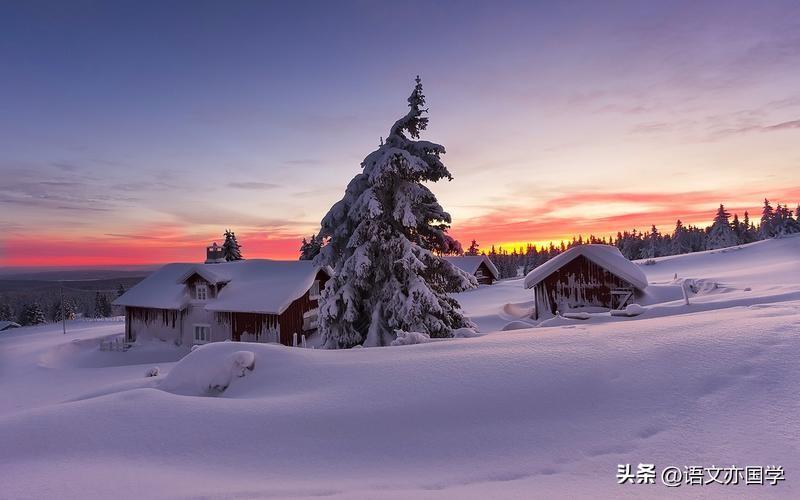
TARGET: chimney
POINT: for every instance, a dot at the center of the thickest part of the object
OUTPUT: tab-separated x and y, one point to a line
214	254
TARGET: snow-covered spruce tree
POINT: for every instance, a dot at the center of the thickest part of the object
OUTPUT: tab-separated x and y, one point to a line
721	235
310	248
473	248
231	250
382	239
767	216
6	314
32	315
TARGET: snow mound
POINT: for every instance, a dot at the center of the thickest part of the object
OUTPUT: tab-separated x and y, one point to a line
409	338
577	315
464	333
518	311
634	310
152	372
209	370
516	325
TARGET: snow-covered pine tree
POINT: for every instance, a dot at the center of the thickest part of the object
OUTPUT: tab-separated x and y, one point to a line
738	231
102	307
473	248
381	242
120	290
32	314
720	235
231	250
452	246
310	248
70	310
767	216
6	314
680	240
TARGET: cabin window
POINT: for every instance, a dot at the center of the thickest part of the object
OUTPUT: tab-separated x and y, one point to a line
201	291
202	334
479	274
314	292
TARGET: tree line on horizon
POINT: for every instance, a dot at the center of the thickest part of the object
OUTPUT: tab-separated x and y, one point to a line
722	233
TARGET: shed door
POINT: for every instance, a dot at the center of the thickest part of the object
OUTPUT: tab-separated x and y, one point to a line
620	297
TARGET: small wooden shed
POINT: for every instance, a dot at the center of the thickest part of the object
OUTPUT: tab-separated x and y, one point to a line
585	276
479	266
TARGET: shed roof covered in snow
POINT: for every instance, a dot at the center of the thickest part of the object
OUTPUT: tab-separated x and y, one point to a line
5	325
606	256
255	285
470	263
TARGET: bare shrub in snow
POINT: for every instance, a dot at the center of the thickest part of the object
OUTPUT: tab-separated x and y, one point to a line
409	338
152	372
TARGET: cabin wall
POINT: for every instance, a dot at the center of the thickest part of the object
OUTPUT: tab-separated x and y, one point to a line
195	314
150	324
249	327
580	283
484	275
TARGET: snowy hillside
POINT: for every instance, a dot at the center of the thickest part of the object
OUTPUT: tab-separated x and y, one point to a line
540	412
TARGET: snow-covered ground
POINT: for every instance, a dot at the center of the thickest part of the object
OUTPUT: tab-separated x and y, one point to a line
540	412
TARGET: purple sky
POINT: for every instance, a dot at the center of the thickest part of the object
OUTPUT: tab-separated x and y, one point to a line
136	131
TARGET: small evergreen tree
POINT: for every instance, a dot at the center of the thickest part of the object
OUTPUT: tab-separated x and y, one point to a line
382	239
6	314
310	248
231	250
70	310
102	307
32	314
473	248
720	235
120	290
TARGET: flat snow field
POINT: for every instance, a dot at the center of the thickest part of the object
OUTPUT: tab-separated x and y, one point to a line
530	412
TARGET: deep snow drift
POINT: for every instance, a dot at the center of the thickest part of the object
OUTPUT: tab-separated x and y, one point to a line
544	412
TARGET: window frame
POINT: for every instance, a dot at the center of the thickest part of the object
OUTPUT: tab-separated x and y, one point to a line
196	328
197	288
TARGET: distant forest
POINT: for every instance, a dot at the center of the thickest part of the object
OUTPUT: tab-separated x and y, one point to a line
33	301
723	232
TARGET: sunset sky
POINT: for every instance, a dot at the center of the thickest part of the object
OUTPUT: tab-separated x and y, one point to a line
136	132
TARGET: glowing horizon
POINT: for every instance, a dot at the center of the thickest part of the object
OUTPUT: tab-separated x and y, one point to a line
559	120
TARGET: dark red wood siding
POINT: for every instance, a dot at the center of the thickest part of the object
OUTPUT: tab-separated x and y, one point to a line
581	282
488	277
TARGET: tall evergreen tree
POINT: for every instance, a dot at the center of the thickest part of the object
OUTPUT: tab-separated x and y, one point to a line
231	250
381	242
767	216
720	235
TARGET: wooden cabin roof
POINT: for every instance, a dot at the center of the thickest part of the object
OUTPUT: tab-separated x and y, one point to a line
606	256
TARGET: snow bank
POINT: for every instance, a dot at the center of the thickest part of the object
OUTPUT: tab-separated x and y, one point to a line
409	338
209	370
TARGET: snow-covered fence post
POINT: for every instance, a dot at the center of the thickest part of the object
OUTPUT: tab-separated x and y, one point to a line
685	293
294	339
303	341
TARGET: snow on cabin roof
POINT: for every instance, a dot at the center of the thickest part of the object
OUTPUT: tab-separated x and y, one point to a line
253	285
204	272
470	263
5	325
606	256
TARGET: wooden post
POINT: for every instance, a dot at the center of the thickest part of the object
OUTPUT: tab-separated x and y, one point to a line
303	341
63	315
294	339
